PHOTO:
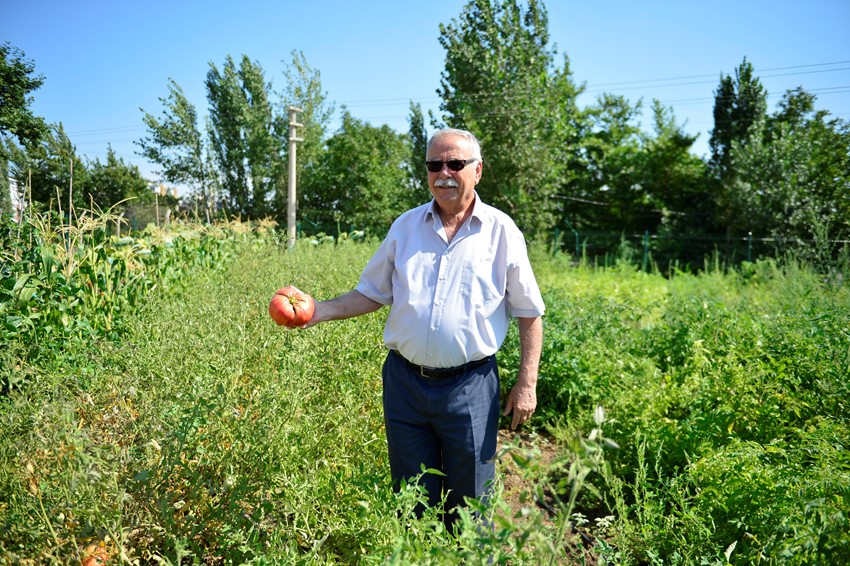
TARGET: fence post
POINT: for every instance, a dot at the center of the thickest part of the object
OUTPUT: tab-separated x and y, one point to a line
645	249
750	247
573	230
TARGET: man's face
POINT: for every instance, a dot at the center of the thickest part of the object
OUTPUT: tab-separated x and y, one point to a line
454	191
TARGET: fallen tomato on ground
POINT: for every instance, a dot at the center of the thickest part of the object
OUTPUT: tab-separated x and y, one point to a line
291	307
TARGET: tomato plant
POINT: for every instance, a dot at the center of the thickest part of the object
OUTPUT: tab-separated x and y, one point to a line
291	307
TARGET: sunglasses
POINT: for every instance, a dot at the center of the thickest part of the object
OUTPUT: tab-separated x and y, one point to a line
453	164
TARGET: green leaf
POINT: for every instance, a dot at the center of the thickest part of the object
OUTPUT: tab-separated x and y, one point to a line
22	280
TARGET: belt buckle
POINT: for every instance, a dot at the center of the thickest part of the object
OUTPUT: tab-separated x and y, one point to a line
422	372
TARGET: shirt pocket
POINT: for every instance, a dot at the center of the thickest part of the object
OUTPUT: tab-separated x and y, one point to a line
480	282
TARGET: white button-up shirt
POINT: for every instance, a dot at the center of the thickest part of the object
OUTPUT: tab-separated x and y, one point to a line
451	302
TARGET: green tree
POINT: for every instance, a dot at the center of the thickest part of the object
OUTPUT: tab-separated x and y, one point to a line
793	174
58	176
605	193
175	143
795	107
17	121
361	182
302	90
674	183
739	103
418	144
242	133
501	82
16	83
115	181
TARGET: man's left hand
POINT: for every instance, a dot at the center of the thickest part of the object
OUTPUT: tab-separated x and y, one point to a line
522	400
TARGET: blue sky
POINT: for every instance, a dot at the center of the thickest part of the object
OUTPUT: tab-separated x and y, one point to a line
104	60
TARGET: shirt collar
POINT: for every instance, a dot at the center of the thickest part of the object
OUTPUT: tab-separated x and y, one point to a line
477	208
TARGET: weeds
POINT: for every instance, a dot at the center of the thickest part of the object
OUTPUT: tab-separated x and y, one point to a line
157	412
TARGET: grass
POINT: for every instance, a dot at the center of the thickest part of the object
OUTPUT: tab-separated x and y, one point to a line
206	434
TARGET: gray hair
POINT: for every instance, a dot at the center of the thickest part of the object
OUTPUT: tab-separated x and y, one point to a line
465	134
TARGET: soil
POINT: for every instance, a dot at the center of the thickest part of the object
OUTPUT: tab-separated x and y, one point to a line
543	451
529	445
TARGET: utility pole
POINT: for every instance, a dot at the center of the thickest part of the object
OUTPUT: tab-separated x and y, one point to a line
293	138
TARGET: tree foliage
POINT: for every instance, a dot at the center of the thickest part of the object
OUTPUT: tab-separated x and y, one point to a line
605	191
501	82
115	181
554	166
303	90
361	181
674	184
175	143
792	175
17	122
418	143
57	175
17	82
245	145
59	179
739	104
44	162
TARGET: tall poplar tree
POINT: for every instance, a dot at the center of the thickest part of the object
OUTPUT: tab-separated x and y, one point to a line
738	104
418	139
501	82
246	151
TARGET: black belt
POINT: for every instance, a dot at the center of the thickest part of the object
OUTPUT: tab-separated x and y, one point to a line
442	373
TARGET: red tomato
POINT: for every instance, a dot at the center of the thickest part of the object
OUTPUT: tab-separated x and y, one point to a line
291	307
98	558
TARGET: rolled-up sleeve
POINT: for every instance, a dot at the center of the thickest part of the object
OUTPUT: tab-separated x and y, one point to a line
522	293
376	280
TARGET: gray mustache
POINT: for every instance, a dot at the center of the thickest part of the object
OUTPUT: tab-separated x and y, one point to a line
451	183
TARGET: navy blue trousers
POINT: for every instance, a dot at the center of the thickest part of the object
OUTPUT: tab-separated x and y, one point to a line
449	424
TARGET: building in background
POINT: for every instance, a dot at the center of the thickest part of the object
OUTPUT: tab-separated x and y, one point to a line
17	198
162	190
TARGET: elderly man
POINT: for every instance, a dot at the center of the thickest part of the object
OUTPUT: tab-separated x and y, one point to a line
453	272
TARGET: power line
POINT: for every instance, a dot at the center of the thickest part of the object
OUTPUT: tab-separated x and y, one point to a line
596	88
678	102
100	131
688	77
